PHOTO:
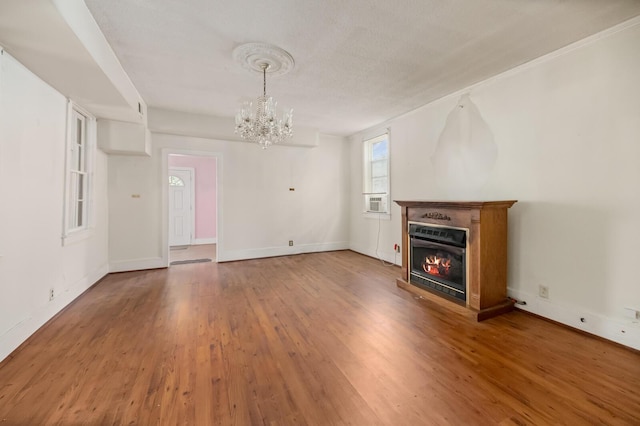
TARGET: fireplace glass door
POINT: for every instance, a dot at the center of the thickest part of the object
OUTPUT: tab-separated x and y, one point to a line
438	265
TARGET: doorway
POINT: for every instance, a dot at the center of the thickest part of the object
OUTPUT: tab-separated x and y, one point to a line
192	208
181	206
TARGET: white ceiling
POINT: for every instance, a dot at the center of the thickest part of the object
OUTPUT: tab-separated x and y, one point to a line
357	62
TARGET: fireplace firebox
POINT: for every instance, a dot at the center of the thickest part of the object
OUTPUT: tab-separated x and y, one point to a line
438	260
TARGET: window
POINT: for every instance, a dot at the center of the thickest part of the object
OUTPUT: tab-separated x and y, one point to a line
376	174
175	181
80	153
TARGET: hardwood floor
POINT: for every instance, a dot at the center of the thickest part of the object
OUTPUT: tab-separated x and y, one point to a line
314	339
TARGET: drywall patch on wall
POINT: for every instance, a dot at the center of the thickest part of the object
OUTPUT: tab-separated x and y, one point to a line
466	151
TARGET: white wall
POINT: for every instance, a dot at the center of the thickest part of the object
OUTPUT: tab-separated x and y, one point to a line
32	258
567	128
258	214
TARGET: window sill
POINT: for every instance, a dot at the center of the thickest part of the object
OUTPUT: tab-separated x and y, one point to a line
76	236
379	216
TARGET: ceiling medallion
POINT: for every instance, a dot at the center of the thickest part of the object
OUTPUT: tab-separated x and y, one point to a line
251	56
261	125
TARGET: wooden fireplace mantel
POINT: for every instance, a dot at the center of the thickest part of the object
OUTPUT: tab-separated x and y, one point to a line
486	222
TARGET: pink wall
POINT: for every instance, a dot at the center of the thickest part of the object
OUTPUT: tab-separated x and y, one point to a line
205	185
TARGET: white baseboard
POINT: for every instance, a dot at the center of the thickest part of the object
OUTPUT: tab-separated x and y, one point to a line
387	256
231	255
625	332
19	333
199	241
138	264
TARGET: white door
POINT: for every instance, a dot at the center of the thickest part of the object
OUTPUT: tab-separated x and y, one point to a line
180	206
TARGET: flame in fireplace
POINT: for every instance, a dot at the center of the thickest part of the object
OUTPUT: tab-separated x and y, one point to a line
436	265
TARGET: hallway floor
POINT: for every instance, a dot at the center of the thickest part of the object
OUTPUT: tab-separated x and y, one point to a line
201	251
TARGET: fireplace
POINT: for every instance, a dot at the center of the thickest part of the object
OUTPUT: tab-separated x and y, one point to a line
457	251
438	259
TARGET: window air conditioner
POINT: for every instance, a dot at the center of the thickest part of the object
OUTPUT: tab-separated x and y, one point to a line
375	204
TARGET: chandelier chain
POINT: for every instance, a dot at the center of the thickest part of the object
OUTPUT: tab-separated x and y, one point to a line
264	79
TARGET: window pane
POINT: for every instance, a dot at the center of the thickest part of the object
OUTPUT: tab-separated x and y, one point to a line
77	189
81	187
79	154
75	177
79	127
80	215
379	184
379	150
175	181
73	199
378	168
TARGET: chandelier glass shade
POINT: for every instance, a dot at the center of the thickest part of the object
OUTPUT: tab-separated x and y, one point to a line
261	124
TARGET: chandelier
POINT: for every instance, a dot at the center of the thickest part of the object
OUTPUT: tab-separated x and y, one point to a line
258	121
261	124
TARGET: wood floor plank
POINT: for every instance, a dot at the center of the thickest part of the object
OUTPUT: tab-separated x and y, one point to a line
314	339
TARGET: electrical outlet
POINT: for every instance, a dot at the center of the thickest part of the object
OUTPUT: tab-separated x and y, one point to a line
290	243
543	291
51	294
